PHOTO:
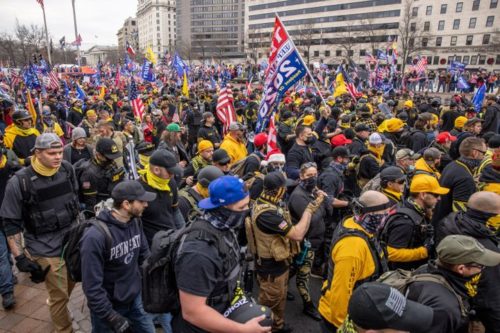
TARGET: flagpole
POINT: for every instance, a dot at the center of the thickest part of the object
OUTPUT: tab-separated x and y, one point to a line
46	35
76	34
305	65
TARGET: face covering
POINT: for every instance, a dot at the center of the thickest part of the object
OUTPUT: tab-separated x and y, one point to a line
378	151
143	159
223	218
309	183
310	140
202	190
154	181
493	223
271	168
42	169
410	168
371	222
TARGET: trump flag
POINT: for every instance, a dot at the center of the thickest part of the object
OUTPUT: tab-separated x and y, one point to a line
286	68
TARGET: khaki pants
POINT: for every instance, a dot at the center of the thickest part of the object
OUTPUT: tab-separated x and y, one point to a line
59	286
272	293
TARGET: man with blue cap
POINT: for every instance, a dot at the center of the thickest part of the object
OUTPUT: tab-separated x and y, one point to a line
207	262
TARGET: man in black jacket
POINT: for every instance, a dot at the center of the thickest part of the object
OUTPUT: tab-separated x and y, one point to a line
111	277
461	259
491	116
358	144
481	221
300	152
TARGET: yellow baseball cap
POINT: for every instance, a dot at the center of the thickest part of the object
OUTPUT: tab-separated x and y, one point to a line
426	183
204	145
394	125
409	103
460	122
308	120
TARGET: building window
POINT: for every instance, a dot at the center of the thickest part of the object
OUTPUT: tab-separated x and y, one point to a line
456	24
494	4
482	60
439	41
472	22
441	25
350	53
497	60
306	53
460	6
458	58
327	53
453	41
486	39
413	26
475	4
444	7
411	42
362	53
428	10
414	11
427	26
466	60
338	53
316	53
489	21
436	60
450	59
473	60
468	41
425	41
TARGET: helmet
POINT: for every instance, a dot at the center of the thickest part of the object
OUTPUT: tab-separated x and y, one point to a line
209	174
20	114
245	309
391	103
435	102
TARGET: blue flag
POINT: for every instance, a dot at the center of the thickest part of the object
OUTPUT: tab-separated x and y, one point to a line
147	71
179	65
66	89
30	78
478	98
456	66
462	84
381	55
80	94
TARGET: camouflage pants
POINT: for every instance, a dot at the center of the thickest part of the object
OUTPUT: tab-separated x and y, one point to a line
303	273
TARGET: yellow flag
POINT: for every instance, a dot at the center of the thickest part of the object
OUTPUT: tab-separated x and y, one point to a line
31	107
102	92
150	55
340	87
185	86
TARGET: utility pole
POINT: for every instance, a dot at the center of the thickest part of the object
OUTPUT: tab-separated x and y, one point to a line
46	34
76	34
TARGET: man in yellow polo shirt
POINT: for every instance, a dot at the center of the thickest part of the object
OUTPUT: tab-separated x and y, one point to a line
356	257
234	142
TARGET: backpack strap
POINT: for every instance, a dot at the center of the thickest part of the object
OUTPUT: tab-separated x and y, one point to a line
442	281
104	229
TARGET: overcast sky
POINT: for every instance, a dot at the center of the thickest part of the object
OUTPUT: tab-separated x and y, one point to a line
98	20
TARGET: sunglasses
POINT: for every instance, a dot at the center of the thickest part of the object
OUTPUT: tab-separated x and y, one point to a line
474	265
308	165
401	181
481	151
433	194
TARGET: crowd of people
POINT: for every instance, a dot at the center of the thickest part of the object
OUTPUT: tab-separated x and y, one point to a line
392	200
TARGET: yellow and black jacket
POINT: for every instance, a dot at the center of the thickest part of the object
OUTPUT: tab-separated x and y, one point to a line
356	257
20	140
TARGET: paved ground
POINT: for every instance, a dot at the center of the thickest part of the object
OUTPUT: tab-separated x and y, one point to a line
31	313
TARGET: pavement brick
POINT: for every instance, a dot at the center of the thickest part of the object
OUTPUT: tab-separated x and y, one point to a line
11	320
27	325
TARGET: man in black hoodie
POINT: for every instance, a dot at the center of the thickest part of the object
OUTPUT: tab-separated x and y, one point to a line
481	221
111	277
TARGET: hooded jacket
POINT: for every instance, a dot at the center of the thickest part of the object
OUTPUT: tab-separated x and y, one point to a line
20	140
112	276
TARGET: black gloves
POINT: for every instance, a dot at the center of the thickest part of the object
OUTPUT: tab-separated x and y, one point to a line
26	265
429	245
118	323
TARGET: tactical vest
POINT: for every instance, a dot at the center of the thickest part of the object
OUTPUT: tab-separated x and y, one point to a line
419	229
193	202
269	246
226	243
376	251
48	205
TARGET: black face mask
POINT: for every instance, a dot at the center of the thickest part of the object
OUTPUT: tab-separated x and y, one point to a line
309	184
231	218
310	140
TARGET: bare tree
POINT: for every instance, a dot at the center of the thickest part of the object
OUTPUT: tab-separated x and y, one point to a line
185	51
371	33
9	48
410	33
348	41
257	41
199	44
304	39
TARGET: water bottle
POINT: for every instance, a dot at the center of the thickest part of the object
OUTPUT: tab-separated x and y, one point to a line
301	257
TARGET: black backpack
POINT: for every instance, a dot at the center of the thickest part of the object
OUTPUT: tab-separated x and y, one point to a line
159	286
71	245
405	141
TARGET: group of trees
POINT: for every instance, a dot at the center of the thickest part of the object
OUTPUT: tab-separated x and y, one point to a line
17	48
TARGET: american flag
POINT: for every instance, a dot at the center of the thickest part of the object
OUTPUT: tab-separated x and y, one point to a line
271	138
369	57
135	100
53	80
15	78
130	49
225	108
349	83
421	65
40	2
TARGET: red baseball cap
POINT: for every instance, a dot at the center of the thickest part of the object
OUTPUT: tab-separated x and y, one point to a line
260	139
445	136
340	140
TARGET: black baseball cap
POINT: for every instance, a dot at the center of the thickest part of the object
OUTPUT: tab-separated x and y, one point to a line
274	180
361	128
221	156
131	190
340	152
165	159
377	306
107	148
392	173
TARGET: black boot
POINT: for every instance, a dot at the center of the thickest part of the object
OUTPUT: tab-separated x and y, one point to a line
8	301
285	329
311	311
